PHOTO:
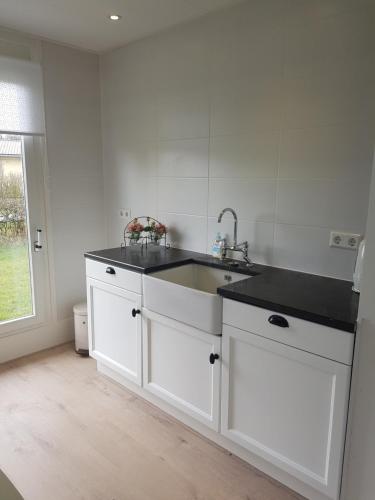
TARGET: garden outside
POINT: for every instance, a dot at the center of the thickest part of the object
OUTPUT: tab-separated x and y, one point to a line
15	276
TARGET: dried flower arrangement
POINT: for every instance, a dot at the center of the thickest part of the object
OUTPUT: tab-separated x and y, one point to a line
135	230
153	230
156	230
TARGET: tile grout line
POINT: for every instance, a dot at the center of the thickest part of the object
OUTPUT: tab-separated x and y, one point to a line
281	128
208	166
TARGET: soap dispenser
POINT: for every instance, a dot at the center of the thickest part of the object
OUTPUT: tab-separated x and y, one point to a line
218	246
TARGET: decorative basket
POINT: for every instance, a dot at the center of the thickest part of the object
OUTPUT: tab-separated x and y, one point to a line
145	231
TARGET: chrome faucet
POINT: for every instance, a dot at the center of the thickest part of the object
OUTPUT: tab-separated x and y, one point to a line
230	210
235	247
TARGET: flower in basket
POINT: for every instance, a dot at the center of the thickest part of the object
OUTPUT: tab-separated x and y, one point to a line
159	231
150	226
135	229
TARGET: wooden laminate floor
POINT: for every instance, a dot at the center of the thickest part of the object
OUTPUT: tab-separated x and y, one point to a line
67	433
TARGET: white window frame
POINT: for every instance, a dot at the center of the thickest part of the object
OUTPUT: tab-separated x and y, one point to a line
34	162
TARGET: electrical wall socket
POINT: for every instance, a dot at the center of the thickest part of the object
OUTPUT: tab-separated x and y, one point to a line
344	240
125	213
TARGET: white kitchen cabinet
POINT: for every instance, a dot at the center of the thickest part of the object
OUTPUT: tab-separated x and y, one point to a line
285	405
115	328
281	394
181	365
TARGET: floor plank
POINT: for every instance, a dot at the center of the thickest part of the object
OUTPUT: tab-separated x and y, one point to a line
68	433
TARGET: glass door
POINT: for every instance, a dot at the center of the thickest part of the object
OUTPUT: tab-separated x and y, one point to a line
23	265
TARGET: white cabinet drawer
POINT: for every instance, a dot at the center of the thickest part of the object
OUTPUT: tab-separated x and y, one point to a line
113	275
311	337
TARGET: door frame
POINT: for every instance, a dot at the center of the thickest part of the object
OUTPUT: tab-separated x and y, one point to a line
34	160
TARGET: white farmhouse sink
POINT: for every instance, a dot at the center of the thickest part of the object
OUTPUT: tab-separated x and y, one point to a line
187	293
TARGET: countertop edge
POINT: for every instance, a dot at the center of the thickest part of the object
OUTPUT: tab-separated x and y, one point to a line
160	267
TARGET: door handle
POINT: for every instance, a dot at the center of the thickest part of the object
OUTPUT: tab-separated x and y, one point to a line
213	358
38	242
135	312
278	321
110	270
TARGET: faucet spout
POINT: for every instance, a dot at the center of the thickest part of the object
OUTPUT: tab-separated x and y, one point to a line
230	210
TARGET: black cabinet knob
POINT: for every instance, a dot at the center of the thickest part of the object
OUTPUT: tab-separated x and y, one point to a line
135	312
213	358
278	321
110	270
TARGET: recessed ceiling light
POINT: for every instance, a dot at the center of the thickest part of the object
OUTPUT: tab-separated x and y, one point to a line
114	17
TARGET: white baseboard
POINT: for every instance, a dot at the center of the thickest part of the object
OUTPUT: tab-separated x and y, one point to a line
43	337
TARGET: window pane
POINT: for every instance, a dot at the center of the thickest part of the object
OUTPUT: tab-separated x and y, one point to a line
15	277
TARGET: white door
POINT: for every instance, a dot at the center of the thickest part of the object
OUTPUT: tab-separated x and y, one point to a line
181	365
24	280
115	328
285	405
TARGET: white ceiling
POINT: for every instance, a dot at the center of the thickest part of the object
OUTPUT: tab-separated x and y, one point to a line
84	23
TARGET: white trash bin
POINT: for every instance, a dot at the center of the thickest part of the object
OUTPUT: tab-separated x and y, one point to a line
81	329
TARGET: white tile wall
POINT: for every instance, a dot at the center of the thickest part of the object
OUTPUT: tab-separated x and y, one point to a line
333	152
247	104
347	37
186	231
331	96
183	158
245	155
75	182
324	203
253	199
182	195
183	114
267	107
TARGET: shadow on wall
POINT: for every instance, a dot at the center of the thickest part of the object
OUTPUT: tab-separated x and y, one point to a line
175	236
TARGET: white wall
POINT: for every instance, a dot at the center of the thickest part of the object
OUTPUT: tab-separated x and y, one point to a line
359	477
265	108
74	182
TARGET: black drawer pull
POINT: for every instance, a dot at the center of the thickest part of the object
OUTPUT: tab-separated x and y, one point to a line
135	312
110	270
278	321
213	358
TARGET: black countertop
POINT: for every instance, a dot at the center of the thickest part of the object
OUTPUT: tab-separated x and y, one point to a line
144	260
318	299
327	301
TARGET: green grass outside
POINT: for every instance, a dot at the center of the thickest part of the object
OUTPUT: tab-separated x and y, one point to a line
15	289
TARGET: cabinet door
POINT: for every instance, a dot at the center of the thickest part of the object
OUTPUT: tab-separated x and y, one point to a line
177	367
114	330
285	405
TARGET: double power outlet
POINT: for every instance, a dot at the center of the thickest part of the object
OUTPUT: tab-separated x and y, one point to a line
125	213
344	240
